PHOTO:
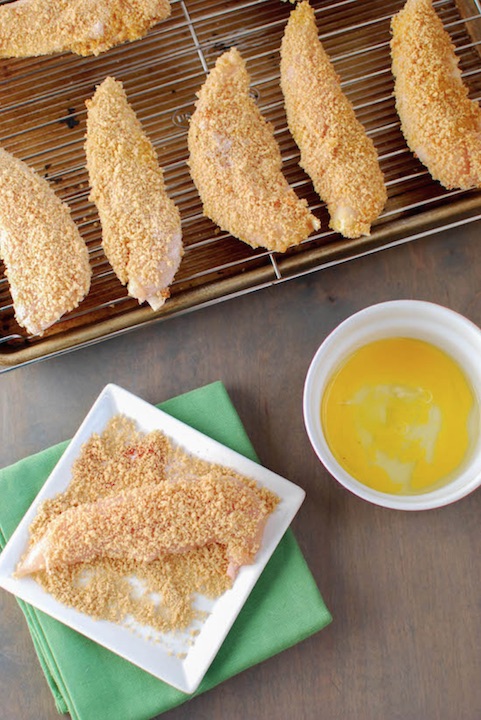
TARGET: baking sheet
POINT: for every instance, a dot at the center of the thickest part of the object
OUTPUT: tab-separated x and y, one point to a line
42	121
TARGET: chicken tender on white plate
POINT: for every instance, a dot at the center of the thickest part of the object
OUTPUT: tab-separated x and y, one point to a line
143	523
442	126
46	260
141	230
87	27
335	151
235	163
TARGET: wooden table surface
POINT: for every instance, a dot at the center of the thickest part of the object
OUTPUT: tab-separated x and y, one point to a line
404	588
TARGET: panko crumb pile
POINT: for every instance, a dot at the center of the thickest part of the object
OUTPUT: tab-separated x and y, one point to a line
156	593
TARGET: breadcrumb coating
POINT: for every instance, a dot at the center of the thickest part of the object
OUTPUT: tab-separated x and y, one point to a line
46	260
145	522
442	126
29	28
335	150
141	230
235	163
135	495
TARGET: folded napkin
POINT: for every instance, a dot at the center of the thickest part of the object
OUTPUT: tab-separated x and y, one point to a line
89	681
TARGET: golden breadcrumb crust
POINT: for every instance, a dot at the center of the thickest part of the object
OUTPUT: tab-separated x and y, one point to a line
335	150
442	126
46	260
87	27
141	231
235	163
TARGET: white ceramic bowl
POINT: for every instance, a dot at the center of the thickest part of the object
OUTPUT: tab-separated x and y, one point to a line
453	333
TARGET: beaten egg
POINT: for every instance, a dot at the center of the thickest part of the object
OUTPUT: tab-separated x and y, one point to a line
400	415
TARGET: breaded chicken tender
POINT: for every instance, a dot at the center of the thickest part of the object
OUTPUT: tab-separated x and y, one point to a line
442	126
46	260
141	231
87	27
145	522
236	163
335	150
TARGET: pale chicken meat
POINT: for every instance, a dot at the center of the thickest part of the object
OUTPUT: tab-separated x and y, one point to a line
141	228
87	27
336	153
146	522
236	165
46	260
442	126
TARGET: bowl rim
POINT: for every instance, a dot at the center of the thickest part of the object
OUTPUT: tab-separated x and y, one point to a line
423	311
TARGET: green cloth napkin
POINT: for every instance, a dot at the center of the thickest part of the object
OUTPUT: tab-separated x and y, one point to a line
89	681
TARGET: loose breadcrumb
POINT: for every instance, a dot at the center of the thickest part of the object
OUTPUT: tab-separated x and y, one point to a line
141	230
193	498
235	163
104	589
442	126
46	260
335	150
87	27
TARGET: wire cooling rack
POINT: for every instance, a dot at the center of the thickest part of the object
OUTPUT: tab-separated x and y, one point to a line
42	121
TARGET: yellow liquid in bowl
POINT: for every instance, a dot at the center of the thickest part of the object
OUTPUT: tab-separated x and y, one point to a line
400	416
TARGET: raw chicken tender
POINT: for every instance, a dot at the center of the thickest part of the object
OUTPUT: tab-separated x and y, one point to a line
46	260
442	126
141	230
87	27
143	523
235	163
335	150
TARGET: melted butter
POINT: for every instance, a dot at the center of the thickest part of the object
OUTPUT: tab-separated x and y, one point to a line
399	415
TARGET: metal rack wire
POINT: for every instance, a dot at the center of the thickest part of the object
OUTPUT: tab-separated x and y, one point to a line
42	121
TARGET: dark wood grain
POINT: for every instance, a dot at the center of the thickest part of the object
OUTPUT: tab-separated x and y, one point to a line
404	589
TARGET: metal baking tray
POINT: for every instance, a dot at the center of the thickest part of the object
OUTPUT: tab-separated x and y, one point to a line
42	121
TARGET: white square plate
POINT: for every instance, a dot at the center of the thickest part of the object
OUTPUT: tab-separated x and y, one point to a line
173	660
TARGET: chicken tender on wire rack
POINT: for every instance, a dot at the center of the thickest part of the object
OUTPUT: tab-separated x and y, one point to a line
235	163
29	28
46	260
335	150
143	523
141	230
442	126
